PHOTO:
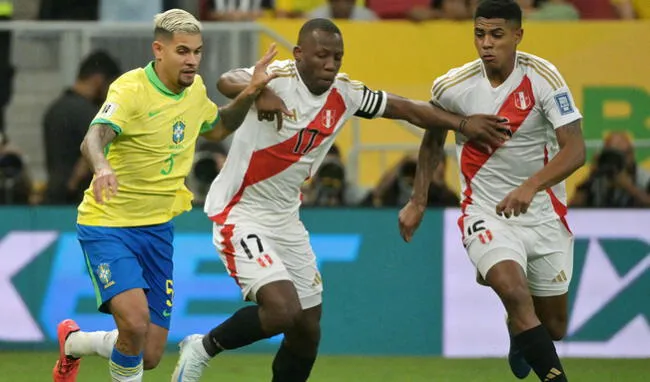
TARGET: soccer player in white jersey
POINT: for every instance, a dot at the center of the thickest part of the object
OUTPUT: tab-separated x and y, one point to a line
513	199
255	199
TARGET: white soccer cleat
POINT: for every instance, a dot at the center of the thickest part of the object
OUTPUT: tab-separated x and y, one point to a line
191	361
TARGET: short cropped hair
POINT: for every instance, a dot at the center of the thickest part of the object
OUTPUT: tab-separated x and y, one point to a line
324	25
99	62
499	9
175	21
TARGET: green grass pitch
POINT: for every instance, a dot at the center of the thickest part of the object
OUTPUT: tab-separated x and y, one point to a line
36	367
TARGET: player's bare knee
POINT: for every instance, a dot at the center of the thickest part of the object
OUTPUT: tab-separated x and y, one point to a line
515	295
134	324
280	307
150	361
512	292
509	282
557	333
284	316
131	314
518	303
279	314
556	327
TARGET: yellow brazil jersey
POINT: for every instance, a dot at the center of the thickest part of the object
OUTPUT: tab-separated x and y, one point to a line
153	150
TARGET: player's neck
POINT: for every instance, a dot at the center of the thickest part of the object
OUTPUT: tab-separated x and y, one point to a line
169	84
316	92
498	76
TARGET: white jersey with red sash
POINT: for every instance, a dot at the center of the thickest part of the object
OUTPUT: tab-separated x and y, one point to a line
536	100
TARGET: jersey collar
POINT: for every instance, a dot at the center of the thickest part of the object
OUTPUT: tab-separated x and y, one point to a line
517	65
157	83
514	74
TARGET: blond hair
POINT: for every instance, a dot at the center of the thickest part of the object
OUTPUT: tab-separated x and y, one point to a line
176	21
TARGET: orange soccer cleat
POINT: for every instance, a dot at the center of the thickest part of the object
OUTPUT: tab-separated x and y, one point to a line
66	368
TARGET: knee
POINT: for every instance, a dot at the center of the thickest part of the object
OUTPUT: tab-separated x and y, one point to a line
150	361
280	308
282	316
515	295
509	282
285	316
134	324
556	327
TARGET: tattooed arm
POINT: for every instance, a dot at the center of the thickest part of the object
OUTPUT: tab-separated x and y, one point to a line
92	149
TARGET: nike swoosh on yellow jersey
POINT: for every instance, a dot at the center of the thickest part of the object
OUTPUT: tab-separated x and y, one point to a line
154	113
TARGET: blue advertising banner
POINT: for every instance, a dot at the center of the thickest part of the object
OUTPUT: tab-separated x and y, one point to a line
382	296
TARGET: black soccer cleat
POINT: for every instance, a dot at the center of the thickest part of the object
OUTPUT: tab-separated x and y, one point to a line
518	365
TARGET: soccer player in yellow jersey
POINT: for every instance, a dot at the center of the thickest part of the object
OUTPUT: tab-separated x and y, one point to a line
140	146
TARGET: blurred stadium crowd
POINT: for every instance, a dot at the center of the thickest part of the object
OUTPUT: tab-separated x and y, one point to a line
615	179
248	10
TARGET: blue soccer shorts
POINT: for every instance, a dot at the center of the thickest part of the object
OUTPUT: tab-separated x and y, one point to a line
120	259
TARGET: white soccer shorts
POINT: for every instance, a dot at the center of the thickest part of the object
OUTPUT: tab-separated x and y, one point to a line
544	251
256	256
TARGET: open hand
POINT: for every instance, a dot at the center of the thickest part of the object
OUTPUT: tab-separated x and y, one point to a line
260	77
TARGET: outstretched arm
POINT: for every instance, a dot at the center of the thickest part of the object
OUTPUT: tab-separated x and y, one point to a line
420	113
486	130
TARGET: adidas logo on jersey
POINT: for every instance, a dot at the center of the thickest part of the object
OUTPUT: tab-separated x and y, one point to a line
560	278
317	280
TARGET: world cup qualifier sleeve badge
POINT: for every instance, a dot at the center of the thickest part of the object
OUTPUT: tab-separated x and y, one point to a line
563	102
